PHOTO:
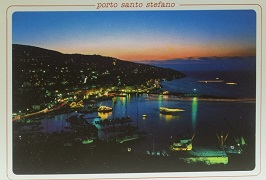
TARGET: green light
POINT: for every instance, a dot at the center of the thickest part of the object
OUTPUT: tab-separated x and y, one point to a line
194	112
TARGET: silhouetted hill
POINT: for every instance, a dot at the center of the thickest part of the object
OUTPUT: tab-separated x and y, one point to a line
33	65
35	71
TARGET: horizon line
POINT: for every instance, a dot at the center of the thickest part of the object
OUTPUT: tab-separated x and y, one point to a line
147	60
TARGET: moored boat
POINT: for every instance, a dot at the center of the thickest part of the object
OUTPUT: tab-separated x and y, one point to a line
87	141
105	109
165	110
182	144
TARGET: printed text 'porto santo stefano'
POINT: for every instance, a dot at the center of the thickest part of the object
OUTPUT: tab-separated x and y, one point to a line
159	4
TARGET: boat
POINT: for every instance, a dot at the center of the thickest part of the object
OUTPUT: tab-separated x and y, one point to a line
182	144
165	110
88	141
231	83
104	109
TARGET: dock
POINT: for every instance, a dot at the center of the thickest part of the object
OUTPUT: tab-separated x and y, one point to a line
205	155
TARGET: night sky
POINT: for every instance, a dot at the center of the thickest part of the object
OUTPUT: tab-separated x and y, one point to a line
140	35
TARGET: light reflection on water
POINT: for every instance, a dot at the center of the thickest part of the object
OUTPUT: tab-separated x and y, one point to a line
169	117
194	112
199	116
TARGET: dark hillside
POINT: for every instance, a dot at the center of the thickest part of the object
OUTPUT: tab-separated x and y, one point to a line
36	70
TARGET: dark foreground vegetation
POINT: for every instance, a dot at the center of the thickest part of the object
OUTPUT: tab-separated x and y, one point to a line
53	154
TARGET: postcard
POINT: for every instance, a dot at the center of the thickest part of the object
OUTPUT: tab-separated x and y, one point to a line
132	90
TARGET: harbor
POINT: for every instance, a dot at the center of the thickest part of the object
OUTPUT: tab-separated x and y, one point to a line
198	136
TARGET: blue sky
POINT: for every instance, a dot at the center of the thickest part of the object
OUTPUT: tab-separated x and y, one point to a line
140	35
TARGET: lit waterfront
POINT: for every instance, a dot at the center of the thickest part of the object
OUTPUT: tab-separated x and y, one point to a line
202	117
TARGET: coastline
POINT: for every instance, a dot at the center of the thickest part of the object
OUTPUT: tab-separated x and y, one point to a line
190	97
150	96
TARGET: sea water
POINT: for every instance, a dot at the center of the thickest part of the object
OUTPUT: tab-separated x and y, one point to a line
205	118
234	84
